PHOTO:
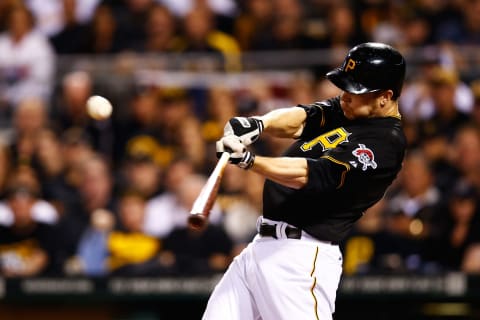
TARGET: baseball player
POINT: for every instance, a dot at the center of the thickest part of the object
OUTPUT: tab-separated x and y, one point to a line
348	150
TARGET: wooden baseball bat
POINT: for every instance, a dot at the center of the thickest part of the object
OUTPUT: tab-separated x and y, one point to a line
204	202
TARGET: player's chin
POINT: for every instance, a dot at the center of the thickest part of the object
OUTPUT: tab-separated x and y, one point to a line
349	115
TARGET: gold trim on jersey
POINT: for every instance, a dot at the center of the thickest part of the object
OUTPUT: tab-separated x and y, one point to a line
344	173
314	283
322	121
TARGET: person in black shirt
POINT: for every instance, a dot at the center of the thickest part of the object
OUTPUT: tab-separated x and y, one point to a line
27	233
347	152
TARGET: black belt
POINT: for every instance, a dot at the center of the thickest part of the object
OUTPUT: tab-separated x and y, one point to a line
270	230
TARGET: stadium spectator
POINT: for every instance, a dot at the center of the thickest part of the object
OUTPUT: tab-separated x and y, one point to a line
69	109
132	252
411	210
223	11
465	155
192	146
50	15
143	166
76	150
240	199
27	62
160	29
95	192
102	33
287	30
458	225
461	27
370	248
139	117
70	112
29	118
51	167
176	122
253	22
220	106
165	212
196	252
118	247
130	16
175	105
341	29
90	257
27	228
199	34
436	133
417	32
71	37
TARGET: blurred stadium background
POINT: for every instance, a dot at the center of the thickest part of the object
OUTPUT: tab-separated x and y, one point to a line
93	212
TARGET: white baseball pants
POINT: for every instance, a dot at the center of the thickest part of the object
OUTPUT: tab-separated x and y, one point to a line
275	279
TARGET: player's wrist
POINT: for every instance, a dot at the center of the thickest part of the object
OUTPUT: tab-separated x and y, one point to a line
247	160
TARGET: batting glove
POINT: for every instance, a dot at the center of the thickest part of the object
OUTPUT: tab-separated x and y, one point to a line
247	129
239	155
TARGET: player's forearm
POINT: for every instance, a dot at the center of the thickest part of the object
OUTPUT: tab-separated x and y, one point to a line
290	172
284	122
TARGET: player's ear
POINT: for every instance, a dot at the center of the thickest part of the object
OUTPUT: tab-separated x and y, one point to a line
385	96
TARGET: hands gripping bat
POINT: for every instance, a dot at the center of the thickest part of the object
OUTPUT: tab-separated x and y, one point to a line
202	206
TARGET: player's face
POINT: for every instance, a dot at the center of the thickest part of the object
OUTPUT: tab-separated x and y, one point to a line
356	106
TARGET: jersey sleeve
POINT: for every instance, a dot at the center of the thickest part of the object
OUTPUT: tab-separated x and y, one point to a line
325	174
322	116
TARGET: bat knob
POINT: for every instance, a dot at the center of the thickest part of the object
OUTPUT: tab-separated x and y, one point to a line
197	221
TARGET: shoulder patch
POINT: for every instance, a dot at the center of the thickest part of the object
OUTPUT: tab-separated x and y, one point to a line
365	156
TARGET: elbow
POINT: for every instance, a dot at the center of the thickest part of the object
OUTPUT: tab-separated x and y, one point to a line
298	183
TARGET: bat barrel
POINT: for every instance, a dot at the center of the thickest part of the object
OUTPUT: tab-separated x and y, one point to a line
197	221
206	199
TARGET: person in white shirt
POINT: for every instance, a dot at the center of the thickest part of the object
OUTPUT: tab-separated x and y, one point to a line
27	60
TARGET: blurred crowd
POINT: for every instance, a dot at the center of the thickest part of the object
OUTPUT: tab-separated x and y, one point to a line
85	196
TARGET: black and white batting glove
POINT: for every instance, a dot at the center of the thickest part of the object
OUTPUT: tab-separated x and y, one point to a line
247	129
239	155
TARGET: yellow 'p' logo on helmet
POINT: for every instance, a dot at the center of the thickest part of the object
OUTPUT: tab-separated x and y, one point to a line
350	65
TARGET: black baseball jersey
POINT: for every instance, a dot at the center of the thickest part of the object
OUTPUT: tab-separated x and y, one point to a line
351	163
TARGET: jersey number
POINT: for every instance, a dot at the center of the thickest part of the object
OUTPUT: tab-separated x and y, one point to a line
327	140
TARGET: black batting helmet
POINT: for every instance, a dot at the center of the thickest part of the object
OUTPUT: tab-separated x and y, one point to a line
370	67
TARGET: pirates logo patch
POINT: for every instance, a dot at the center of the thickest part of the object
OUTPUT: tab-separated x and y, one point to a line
365	156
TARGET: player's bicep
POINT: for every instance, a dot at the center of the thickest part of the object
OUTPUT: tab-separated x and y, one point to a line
284	122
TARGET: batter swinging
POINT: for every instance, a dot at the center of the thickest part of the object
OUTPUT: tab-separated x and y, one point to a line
348	150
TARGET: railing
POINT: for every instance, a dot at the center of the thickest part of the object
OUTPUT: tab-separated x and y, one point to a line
445	286
447	296
465	58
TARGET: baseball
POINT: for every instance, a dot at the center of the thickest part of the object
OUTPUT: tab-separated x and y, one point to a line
99	108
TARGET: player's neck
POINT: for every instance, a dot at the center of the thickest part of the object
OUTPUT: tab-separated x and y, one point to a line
389	110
